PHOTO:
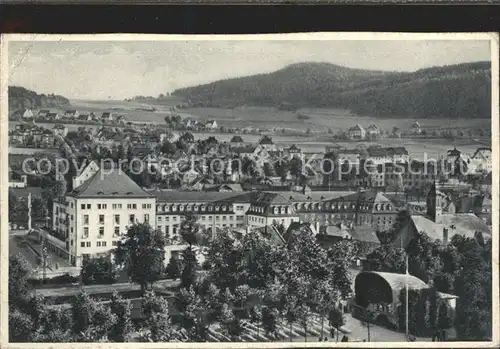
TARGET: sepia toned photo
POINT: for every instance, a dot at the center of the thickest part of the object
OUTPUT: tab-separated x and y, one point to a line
266	190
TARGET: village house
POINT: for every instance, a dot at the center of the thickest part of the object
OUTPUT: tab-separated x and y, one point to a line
481	160
54	116
71	114
211	125
85	117
236	141
121	119
357	132
27	114
415	128
43	113
267	143
107	117
373	132
60	129
190	123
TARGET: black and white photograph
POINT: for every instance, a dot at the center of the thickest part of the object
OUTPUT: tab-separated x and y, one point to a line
255	190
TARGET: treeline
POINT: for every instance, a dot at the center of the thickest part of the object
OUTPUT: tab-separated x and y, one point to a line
462	90
21	98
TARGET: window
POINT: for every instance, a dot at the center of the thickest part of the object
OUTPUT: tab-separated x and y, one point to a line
159	218
117	231
71	205
131	218
114	243
143	206
231	218
101	233
86	219
203	218
88	206
217	218
239	208
83	208
98	244
101	219
82	244
146	218
224	218
117	218
174	218
167	219
167	229
104	243
89	244
240	217
98	206
134	206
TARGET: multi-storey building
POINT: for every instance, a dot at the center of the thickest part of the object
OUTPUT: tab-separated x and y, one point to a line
96	213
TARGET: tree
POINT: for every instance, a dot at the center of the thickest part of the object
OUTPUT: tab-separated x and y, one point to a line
444	321
229	323
336	320
99	270
188	276
157	318
142	251
91	320
190	230
19	288
270	320
121	309
173	269
192	317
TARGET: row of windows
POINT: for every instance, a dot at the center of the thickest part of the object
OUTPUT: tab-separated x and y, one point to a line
201	218
342	206
114	206
98	243
100	235
190	207
116	217
255	219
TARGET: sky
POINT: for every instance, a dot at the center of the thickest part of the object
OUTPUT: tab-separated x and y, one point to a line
123	69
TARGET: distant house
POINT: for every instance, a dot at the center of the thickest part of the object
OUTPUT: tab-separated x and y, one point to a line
47	139
243	152
43	113
120	119
267	143
415	128
84	117
71	114
236	141
482	159
190	123
60	129
294	150
211	124
357	132
373	131
27	114
107	116
54	116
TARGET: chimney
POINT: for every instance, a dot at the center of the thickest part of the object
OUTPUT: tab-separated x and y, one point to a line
445	236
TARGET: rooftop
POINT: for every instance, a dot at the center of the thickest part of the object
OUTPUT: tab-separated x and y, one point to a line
114	183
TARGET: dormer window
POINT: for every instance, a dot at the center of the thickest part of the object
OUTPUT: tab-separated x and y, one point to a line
209	208
181	208
224	208
203	208
217	208
188	208
282	210
174	208
275	210
166	208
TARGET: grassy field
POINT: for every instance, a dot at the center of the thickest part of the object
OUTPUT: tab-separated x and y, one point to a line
266	117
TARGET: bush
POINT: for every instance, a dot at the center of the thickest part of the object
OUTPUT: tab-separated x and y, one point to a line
98	271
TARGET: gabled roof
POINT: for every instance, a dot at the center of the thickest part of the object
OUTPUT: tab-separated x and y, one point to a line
243	150
480	149
266	140
236	139
114	183
356	127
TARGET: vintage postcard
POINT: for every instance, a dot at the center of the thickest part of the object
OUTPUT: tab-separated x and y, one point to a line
320	190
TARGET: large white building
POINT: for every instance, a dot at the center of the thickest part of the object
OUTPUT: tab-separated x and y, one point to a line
94	215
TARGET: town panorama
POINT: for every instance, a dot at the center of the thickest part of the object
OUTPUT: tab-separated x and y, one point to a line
250	191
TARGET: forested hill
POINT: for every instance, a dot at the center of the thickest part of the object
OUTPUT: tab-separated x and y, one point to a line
21	98
462	90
